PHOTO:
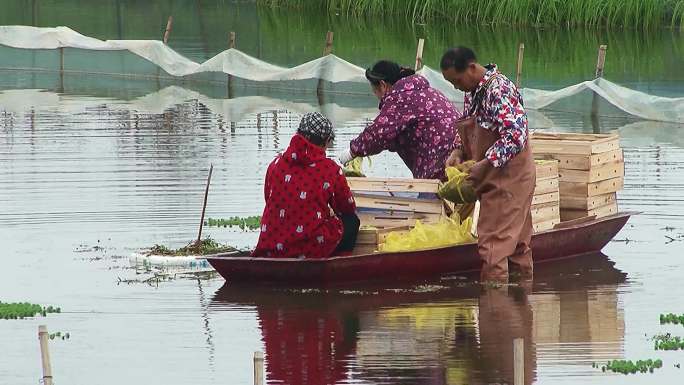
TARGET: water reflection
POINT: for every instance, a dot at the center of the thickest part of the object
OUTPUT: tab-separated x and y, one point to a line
444	332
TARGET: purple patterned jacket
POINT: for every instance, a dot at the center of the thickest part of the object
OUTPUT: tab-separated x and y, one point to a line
417	122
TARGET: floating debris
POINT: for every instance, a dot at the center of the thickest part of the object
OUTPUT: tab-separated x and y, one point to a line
21	310
59	335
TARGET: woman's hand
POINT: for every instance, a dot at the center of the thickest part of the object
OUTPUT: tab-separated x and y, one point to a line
455	158
345	156
478	172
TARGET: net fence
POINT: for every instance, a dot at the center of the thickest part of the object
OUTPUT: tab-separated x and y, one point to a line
64	50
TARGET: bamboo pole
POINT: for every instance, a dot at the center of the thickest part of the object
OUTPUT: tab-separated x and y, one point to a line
45	354
326	51
600	64
258	368
518	72
204	206
61	69
167	32
231	45
419	54
518	361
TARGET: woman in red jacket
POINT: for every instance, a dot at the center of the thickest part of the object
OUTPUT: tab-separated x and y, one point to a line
310	211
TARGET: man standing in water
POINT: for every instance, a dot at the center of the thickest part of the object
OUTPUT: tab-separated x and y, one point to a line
494	134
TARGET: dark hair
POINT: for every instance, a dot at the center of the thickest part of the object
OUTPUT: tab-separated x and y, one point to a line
457	58
316	139
387	71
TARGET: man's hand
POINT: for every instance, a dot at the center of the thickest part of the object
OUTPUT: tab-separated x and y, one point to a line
455	158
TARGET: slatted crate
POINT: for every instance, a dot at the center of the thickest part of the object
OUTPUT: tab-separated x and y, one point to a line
545	202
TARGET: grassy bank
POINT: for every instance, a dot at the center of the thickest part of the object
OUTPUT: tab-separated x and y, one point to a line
592	13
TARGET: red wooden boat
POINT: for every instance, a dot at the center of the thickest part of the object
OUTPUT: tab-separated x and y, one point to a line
568	239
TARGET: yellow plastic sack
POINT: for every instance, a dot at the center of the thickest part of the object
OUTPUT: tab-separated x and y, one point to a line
353	168
448	232
457	189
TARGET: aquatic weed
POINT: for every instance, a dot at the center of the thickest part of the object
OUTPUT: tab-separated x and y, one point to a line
21	310
630	367
246	223
205	247
668	342
670	318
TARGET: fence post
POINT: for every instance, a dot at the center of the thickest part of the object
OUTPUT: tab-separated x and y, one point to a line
518	361
518	72
258	368
45	354
419	55
61	69
231	45
600	64
326	51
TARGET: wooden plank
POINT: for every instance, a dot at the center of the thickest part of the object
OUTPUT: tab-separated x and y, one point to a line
382	219
574	144
545	213
547	169
546	186
586	203
584	162
580	189
367	236
546	225
364	249
393	185
572	136
599	212
594	174
416	205
546	198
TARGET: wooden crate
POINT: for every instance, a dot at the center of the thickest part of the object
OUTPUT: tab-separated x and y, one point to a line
389	203
553	197
546	186
603	211
584	162
376	236
545	212
595	173
393	185
546	169
546	225
587	203
582	189
384	219
573	144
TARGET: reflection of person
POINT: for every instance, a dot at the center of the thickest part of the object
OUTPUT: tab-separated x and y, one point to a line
301	188
307	346
495	135
416	121
504	315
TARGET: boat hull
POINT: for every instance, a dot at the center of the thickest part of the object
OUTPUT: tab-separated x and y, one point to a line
579	239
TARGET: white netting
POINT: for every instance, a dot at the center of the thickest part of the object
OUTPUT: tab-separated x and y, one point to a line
575	98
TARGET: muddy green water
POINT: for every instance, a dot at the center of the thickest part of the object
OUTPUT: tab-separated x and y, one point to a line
120	164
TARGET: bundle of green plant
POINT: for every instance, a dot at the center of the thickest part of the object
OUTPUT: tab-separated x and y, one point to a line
21	310
59	335
591	13
354	168
205	247
249	223
668	342
630	367
670	318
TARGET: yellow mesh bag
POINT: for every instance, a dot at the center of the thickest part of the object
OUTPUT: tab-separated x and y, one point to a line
457	189
353	168
448	232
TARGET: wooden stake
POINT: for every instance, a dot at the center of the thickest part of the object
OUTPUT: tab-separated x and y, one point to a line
45	354
61	69
231	40
476	218
518	361
518	73
600	63
419	54
326	51
167	32
328	43
258	368
204	206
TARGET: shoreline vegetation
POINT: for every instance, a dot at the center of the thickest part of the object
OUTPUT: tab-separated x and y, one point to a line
630	14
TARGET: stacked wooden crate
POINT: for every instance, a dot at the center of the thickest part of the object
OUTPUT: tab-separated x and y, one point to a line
546	200
384	207
591	171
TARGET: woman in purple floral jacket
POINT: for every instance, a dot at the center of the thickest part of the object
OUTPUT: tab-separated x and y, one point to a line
416	121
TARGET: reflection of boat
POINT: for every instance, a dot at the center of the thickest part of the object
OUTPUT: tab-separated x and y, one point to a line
562	242
439	332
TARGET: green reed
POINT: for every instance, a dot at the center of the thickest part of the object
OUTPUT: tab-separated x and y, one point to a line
591	13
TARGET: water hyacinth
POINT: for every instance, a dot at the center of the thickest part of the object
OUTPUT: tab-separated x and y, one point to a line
205	247
630	367
247	223
670	318
629	14
668	342
21	310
